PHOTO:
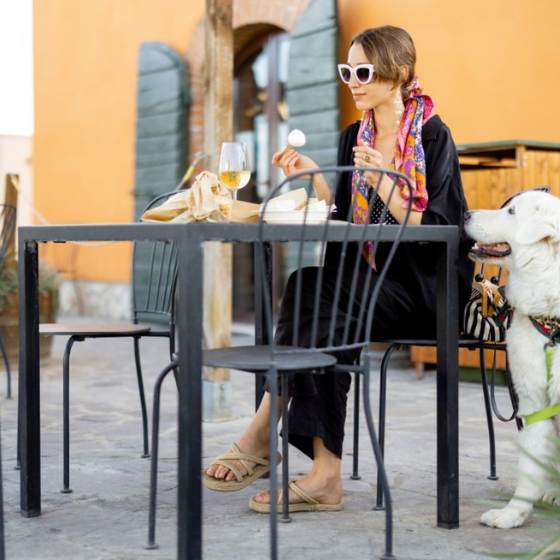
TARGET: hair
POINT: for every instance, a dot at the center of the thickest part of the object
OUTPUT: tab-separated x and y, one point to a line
389	48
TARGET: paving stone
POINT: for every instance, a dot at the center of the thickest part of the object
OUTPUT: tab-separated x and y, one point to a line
106	515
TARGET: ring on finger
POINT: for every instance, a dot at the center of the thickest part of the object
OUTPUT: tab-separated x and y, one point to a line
367	158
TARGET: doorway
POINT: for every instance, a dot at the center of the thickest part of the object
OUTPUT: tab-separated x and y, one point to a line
261	120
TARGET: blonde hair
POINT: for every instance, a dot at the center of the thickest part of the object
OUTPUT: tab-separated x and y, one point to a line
389	48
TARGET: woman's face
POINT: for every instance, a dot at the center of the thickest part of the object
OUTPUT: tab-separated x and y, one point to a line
371	95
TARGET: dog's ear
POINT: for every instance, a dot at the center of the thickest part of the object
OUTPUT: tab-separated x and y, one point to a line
537	230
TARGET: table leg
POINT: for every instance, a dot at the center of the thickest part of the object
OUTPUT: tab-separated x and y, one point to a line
29	388
447	388
262	285
189	323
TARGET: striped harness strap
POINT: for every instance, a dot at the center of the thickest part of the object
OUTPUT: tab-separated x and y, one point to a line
549	327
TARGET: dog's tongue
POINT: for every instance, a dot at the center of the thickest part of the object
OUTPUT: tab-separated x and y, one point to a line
493	249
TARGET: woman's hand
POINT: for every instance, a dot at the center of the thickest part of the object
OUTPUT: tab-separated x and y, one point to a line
292	162
366	156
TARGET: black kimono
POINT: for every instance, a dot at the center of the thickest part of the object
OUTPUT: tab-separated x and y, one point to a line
406	306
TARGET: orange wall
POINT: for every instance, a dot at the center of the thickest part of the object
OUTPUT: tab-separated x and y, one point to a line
491	66
86	54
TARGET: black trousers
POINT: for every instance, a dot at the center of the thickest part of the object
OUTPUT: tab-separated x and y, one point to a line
318	401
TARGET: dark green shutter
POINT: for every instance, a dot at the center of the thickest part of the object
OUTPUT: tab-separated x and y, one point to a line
161	124
313	94
312	90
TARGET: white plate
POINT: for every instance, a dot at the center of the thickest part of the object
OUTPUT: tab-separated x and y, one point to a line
294	217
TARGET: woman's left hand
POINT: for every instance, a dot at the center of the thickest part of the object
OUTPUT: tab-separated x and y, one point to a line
366	156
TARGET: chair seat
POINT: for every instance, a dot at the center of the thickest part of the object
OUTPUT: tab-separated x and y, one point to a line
259	358
93	330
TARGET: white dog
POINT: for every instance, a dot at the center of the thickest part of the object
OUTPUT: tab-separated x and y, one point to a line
524	237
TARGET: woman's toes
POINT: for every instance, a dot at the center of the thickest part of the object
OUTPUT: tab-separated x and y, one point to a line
211	470
230	476
262	498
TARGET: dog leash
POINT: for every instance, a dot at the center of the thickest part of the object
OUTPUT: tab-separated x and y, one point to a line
550	328
511	390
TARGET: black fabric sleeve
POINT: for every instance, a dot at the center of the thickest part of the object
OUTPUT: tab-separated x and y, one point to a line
446	201
343	194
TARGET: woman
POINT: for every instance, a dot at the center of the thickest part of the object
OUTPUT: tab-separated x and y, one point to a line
398	130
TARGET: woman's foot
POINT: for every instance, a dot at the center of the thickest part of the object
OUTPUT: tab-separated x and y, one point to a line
253	442
251	445
325	489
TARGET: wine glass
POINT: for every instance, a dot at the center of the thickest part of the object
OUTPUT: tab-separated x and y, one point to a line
234	166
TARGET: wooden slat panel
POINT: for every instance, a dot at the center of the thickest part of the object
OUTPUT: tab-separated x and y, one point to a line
158	145
325	121
318	15
542	168
150	160
316	56
314	99
323	157
312	92
162	97
163	174
467	358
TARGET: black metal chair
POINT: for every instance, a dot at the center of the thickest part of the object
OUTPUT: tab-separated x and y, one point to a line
488	389
154	273
346	326
488	392
7	231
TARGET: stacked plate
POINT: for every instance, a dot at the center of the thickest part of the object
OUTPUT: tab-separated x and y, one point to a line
284	212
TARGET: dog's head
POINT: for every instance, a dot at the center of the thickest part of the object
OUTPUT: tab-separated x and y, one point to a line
513	235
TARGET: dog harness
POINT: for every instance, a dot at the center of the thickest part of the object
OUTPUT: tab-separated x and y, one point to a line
549	327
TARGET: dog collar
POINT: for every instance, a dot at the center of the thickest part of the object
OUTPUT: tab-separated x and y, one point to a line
549	327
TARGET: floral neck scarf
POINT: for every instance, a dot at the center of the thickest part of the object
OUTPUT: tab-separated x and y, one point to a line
409	158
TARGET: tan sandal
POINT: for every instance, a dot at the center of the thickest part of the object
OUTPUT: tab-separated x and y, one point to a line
308	503
262	466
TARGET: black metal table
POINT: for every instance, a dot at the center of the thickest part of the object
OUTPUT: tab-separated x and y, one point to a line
189	239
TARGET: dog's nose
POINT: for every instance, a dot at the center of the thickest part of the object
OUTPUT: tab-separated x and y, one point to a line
467	216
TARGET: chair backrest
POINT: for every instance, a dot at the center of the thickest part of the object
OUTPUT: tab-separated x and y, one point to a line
154	277
7	228
332	307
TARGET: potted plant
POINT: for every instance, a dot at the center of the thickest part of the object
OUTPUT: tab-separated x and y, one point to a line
48	306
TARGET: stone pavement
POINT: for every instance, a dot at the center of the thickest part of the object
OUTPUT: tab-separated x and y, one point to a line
106	515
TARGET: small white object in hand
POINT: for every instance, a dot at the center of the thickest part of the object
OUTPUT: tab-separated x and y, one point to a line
296	138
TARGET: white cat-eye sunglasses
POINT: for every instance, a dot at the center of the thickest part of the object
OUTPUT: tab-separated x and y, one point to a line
362	72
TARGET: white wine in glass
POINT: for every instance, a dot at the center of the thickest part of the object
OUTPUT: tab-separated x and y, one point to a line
234	166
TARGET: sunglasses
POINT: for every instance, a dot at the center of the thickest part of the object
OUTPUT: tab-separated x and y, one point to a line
362	72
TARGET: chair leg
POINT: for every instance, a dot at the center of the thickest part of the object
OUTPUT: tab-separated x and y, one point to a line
382	475
154	460
66	415
489	417
171	353
356	443
142	397
171	347
18	434
382	413
273	449
7	365
285	444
